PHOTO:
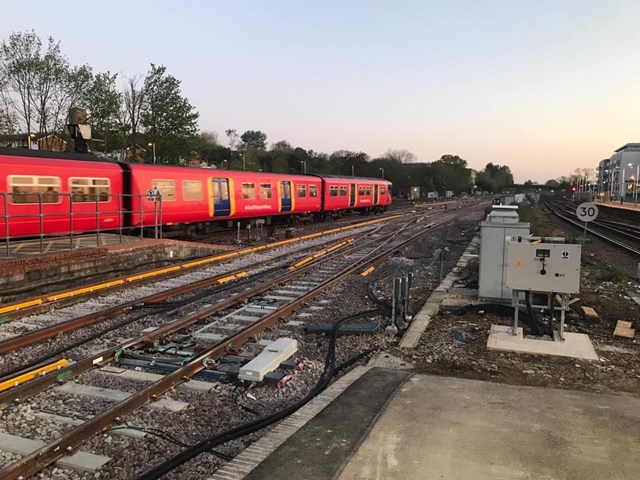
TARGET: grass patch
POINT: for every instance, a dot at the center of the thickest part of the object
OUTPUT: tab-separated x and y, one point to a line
613	274
528	213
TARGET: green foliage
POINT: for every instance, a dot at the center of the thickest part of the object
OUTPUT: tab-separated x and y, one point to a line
38	83
527	213
104	102
494	178
168	118
254	140
613	274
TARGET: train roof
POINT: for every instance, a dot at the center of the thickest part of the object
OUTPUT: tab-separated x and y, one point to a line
24	152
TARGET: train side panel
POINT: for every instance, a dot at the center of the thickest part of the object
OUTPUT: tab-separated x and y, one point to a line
74	195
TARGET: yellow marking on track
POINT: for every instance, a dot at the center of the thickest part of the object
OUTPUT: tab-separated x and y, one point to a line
80	291
18	306
368	271
38	372
196	263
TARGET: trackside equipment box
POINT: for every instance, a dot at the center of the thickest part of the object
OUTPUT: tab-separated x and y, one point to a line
543	267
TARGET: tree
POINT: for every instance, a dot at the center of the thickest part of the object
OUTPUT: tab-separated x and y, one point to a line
400	156
39	84
134	98
19	58
104	102
346	162
170	121
232	138
254	139
494	178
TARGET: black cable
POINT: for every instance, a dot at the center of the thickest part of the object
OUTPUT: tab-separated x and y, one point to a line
245	429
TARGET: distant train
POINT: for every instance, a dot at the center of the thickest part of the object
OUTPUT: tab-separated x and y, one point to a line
57	193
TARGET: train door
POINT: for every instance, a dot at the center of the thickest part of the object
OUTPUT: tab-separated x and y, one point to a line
376	191
220	197
352	194
285	196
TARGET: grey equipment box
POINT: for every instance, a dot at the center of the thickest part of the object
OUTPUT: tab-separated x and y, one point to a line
501	223
543	267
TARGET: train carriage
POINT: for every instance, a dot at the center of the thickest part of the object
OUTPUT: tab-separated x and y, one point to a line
58	195
355	193
54	193
197	195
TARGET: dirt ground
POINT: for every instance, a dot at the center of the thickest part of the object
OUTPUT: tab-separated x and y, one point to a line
455	345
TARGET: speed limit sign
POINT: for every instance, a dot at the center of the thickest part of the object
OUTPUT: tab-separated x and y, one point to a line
587	212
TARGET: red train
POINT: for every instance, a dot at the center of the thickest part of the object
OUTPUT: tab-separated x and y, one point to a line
58	193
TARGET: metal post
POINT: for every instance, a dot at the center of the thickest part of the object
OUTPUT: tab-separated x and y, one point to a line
160	208
393	302
120	215
70	222
141	218
238	237
6	220
97	221
516	308
155	217
40	214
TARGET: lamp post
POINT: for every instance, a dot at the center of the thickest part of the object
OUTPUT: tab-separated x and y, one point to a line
635	190
29	137
153	146
303	166
382	173
244	163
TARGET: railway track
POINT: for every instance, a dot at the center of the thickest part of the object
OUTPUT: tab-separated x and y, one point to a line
66	297
303	281
631	234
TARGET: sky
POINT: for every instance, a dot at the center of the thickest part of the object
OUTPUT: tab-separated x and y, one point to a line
542	86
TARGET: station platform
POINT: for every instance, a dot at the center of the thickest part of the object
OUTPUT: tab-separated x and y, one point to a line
388	424
26	248
620	206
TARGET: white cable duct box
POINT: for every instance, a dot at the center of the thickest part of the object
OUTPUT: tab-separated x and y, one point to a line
273	355
543	267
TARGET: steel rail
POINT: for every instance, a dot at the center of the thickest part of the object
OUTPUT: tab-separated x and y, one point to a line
69	442
30	306
26	390
629	248
52	331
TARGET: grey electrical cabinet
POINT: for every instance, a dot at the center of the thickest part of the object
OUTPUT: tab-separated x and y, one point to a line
543	267
501	223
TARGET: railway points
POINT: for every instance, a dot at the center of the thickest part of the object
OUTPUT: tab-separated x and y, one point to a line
110	384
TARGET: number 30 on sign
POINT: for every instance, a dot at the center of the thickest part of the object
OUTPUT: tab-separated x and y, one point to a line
587	212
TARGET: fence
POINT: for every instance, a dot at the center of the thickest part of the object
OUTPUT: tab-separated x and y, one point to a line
43	216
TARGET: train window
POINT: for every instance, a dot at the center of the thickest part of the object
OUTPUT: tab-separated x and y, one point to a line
266	190
343	190
383	190
25	189
89	189
191	190
302	191
368	190
249	191
167	187
333	191
361	190
313	191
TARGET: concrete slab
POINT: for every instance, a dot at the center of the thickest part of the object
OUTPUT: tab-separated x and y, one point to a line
319	449
443	428
84	461
118	431
575	345
117	396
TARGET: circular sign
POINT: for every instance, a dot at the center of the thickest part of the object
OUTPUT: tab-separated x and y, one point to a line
587	212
